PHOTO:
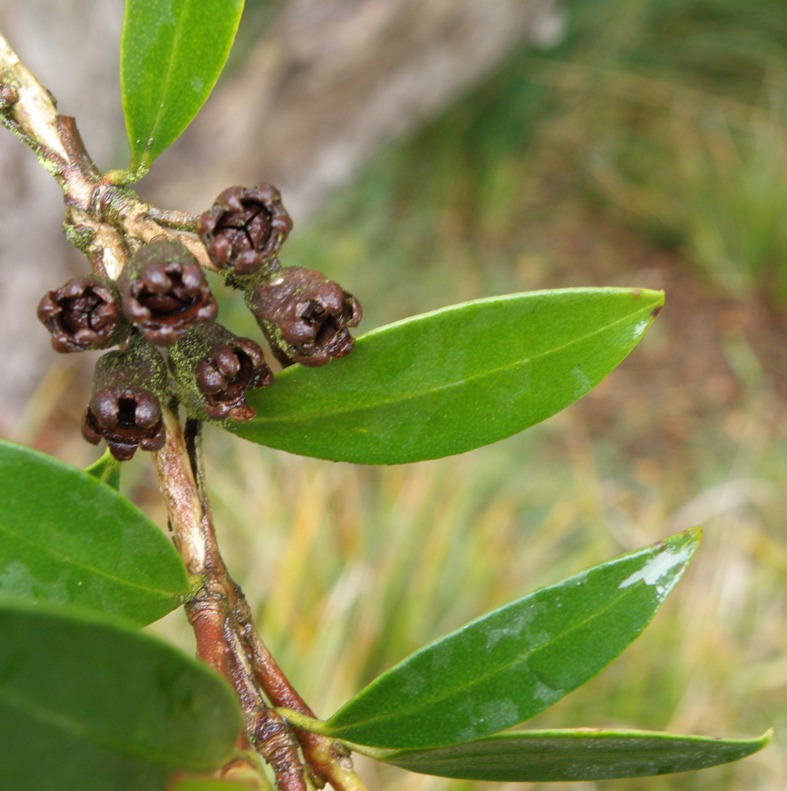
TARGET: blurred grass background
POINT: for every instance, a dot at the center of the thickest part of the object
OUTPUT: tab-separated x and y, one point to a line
647	149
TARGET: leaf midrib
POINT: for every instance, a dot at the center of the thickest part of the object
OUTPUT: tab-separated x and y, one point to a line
58	556
180	26
480	679
346	408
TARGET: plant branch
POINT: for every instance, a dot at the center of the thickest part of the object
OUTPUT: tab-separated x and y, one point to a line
30	112
174	219
210	611
255	672
107	221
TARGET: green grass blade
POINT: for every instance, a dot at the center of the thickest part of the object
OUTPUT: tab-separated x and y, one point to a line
171	54
68	538
514	662
568	755
452	380
88	705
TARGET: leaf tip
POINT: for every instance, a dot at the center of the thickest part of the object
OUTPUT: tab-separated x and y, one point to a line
764	740
690	537
667	562
656	295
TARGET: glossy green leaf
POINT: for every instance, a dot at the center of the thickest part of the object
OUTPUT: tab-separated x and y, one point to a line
171	54
512	663
67	538
89	705
106	469
453	380
544	756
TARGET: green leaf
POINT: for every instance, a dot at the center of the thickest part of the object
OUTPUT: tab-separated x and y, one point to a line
88	705
546	756
106	469
171	54
512	663
452	380
67	538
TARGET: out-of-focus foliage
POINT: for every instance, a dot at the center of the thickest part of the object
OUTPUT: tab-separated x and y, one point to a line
670	114
501	194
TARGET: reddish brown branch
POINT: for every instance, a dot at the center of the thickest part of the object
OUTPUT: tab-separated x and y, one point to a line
254	671
212	610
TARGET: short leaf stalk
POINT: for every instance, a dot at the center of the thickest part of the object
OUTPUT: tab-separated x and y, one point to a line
108	222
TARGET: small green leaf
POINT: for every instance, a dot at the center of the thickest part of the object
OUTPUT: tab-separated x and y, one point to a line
547	756
67	538
88	705
453	380
106	469
512	663
171	54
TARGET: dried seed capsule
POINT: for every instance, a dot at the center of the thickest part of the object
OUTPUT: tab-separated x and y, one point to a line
305	317
125	409
83	314
164	291
212	371
245	229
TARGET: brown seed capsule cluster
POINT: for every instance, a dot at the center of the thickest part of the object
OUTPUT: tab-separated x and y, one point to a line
304	316
162	314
